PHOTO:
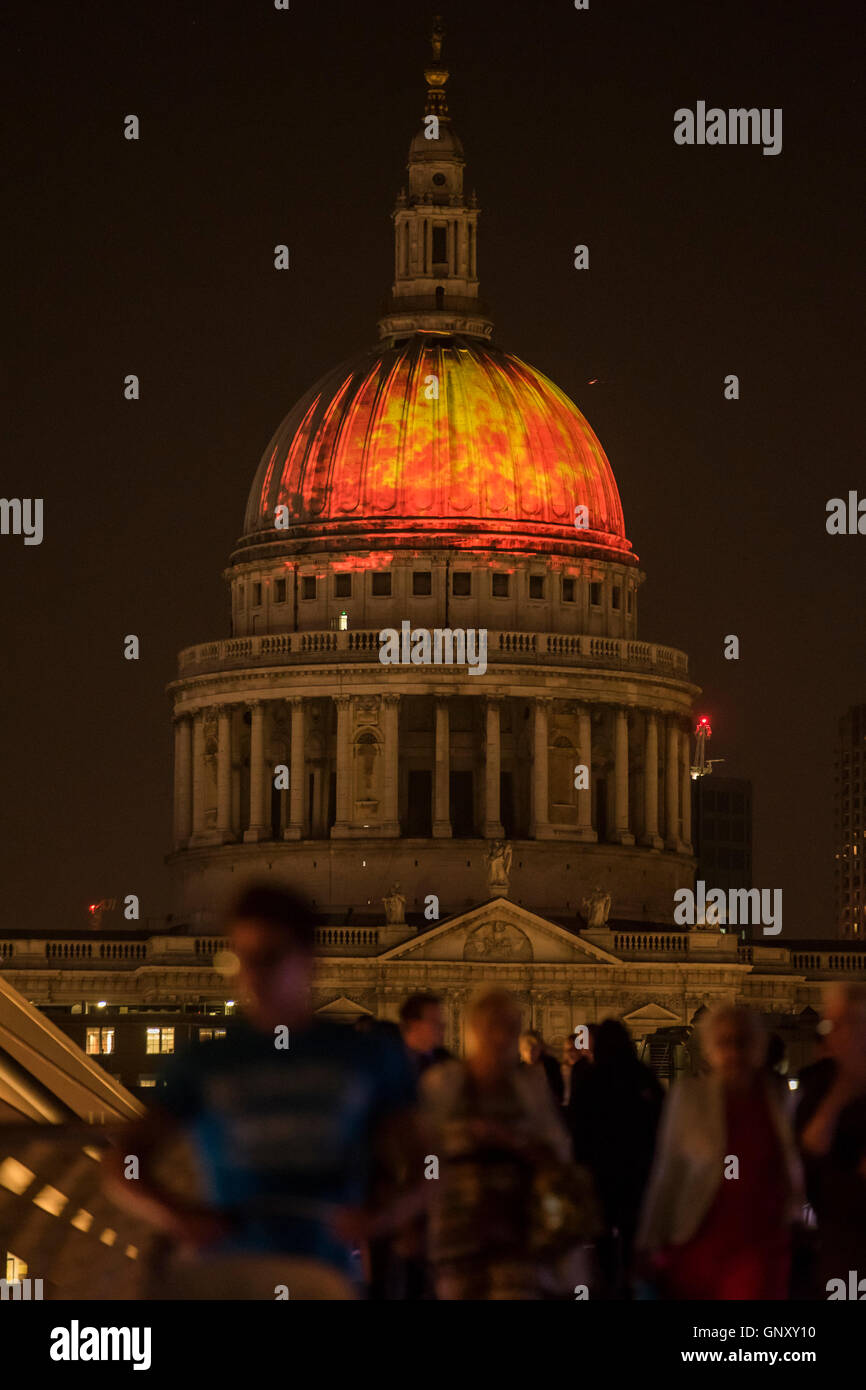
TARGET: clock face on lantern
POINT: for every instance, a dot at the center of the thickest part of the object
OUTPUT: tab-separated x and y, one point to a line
439	179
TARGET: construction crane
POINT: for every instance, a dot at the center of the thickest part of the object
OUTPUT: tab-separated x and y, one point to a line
702	765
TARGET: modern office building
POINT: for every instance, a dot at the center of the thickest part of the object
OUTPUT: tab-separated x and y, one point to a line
849	797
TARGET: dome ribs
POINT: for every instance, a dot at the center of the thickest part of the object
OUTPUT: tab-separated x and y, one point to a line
264	495
502	486
442	436
383	446
530	477
289	491
347	491
419	423
322	455
463	462
499	457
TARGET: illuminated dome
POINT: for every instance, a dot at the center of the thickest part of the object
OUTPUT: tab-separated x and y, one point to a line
433	440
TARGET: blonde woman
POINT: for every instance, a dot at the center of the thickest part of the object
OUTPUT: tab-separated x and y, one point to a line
493	1124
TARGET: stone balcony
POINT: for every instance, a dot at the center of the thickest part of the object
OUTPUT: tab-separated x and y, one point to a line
70	953
626	943
361	645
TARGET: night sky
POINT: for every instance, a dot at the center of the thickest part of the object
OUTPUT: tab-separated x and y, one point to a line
260	127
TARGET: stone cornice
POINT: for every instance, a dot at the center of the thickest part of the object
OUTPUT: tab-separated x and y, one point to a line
664	695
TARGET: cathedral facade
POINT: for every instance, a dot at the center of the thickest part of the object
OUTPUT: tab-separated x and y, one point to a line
434	715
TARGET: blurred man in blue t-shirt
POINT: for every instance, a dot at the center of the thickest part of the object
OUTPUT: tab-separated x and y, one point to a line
286	1113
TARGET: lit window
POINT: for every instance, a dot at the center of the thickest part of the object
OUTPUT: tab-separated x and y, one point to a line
382	585
308	586
342	586
461	583
16	1269
208	1034
500	585
536	586
147	1081
422	583
160	1040
100	1040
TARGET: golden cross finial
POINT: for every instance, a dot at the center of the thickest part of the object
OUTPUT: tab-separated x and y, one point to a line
436	73
437	36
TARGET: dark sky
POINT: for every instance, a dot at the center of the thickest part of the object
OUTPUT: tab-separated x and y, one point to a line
260	127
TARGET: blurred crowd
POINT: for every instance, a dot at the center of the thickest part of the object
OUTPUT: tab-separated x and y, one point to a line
368	1162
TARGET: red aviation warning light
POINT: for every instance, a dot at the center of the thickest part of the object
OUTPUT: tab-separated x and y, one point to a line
702	764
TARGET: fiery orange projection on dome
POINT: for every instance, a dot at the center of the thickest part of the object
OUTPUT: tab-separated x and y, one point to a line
438	440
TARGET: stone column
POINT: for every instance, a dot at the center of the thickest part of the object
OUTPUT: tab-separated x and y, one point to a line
295	828
391	771
540	770
442	773
258	827
182	780
621	832
672	789
344	766
685	792
199	774
493	829
584	794
224	773
651	835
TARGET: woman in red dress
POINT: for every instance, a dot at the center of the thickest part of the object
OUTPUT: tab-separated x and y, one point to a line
726	1182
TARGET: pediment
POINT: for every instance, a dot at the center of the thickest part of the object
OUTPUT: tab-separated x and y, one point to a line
651	1013
343	1007
500	933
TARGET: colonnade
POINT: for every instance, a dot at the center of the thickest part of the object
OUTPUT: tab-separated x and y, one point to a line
665	750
